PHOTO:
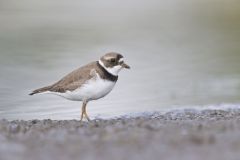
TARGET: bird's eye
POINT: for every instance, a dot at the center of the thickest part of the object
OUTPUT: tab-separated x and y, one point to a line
113	60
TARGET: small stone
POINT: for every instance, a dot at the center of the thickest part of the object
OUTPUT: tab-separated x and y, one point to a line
14	128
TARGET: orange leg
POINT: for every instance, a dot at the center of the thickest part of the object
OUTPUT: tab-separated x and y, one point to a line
84	113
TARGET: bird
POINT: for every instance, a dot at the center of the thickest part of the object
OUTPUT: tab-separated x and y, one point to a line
89	82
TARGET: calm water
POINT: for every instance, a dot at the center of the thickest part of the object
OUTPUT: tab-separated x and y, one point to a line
183	53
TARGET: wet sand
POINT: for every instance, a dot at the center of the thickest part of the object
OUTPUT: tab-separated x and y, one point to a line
187	134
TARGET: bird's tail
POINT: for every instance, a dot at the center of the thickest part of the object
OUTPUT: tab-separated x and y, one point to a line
40	90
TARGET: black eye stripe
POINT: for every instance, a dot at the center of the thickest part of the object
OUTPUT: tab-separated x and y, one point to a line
113	60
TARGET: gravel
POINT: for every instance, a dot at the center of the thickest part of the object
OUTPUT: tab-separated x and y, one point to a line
186	134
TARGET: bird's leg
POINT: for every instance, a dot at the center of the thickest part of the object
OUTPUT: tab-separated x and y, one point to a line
84	113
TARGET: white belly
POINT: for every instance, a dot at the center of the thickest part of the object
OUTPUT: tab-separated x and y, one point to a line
92	90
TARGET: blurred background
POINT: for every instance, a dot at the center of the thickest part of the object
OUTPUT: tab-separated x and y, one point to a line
183	53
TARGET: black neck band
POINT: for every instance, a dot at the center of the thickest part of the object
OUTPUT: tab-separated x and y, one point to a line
107	75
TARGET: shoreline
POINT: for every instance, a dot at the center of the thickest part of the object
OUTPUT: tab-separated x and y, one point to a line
179	134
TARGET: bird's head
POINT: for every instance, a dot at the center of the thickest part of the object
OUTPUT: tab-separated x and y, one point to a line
113	63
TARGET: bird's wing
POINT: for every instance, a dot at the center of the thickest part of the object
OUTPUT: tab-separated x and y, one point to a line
71	81
74	79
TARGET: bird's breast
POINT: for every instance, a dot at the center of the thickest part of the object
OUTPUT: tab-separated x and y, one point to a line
93	89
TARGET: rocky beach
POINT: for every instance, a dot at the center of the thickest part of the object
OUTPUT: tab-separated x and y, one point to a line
186	134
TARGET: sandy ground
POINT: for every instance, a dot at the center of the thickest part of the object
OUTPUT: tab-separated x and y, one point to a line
175	135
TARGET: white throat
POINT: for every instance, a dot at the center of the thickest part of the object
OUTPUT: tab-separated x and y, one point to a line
114	70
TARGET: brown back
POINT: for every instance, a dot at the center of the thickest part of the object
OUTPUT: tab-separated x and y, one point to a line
77	78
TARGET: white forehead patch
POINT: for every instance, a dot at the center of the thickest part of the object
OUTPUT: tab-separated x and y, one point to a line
121	60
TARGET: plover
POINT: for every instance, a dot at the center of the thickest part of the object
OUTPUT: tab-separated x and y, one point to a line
90	82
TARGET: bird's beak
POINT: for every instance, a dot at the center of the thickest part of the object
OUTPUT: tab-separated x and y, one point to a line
124	65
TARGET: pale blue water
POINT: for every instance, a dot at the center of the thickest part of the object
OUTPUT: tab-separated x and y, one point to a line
182	53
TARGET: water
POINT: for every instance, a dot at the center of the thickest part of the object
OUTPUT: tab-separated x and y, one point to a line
182	53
